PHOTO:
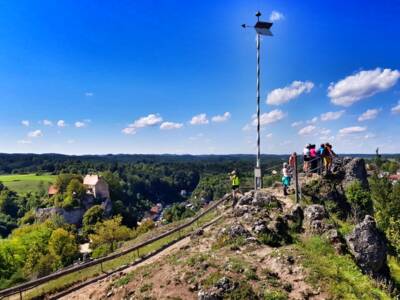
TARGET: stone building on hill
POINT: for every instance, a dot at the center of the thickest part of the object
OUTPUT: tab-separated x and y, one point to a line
96	186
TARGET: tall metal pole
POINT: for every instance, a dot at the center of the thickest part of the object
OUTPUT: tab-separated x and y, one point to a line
257	171
262	28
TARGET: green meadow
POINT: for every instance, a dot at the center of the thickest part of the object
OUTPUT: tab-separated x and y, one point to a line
24	183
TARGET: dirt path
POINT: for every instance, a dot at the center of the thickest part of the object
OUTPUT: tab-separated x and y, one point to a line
87	291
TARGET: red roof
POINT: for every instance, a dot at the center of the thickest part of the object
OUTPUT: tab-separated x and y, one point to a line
52	190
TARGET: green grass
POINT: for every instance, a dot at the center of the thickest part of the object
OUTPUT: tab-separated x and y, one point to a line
24	183
394	266
73	278
338	274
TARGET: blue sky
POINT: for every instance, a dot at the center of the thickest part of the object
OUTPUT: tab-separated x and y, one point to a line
99	77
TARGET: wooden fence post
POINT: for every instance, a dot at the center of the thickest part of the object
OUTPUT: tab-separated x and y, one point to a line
296	178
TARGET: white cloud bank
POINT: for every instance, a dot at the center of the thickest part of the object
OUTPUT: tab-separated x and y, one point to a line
352	130
370	114
25	123
290	92
80	124
147	121
396	109
200	119
35	133
310	129
361	85
269	117
170	125
61	123
276	16
332	115
47	123
221	118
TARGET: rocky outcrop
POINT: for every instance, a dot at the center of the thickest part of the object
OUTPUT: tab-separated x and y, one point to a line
367	244
217	292
73	216
354	169
315	219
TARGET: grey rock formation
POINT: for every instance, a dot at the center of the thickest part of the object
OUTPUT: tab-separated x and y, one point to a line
368	246
73	216
237	230
217	292
314	212
315	219
354	169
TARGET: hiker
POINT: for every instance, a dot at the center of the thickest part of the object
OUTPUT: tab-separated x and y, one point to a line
306	157
320	154
313	159
292	161
285	179
330	154
235	182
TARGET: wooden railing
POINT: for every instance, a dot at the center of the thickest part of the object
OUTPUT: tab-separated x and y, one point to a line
18	289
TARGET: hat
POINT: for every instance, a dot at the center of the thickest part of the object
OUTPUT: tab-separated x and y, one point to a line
233	172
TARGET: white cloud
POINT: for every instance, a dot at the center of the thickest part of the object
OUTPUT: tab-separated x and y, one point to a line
332	115
200	119
325	131
170	125
296	124
79	124
288	93
148	121
369	136
221	118
89	94
71	141
47	123
276	16
129	130
396	109
269	117
24	142
310	129
35	133
352	130
370	114
313	120
246	127
269	135
25	123
361	85
61	123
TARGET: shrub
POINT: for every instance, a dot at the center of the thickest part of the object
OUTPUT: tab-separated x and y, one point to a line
360	200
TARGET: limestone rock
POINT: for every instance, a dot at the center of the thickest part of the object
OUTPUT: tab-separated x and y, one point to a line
368	246
355	170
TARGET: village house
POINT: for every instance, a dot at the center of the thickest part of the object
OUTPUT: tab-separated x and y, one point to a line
96	186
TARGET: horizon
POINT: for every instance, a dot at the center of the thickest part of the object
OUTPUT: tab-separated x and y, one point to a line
143	78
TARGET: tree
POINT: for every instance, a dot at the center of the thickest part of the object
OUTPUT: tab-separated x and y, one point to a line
8	203
63	180
7	224
76	189
360	200
63	246
91	217
109	233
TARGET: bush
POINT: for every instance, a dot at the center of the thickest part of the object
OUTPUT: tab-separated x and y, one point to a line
91	217
360	200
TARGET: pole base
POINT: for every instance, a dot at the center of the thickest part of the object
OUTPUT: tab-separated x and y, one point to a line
257	178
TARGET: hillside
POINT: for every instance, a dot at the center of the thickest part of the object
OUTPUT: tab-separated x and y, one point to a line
268	247
24	183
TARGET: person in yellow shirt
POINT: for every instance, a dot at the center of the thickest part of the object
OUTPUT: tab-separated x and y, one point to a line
235	183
